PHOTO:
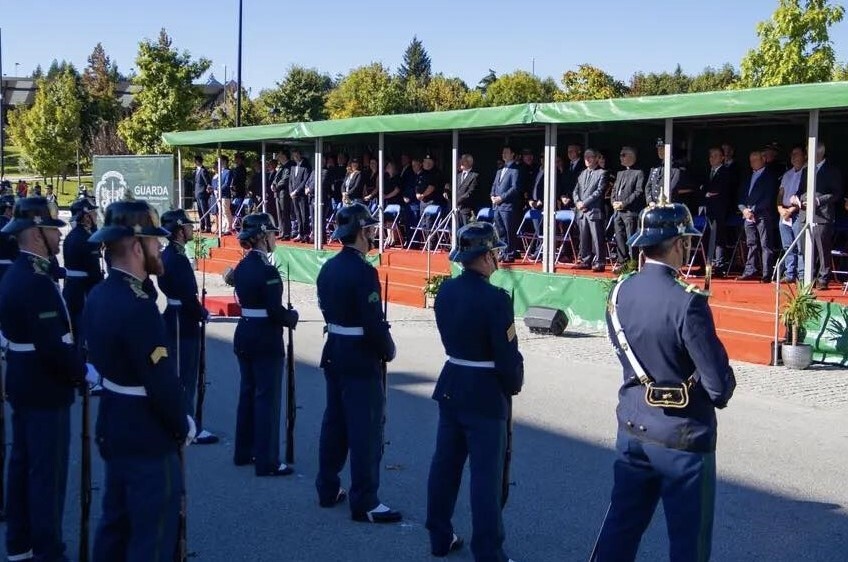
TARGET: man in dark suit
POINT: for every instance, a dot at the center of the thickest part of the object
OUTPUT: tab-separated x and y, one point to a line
627	200
281	188
239	182
507	202
589	200
719	192
201	193
467	189
758	206
828	194
571	171
298	184
536	198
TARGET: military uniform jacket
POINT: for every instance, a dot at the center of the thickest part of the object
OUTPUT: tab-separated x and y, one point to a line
590	191
82	267
259	287
179	284
670	329
476	323
349	295
628	189
127	344
33	316
654	187
8	248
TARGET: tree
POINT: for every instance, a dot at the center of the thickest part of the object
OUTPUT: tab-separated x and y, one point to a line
48	133
367	90
416	63
658	84
443	94
168	97
712	79
795	45
224	115
99	81
57	68
487	81
589	83
37	73
299	96
840	73
519	87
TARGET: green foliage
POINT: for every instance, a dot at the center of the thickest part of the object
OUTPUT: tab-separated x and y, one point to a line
168	97
589	83
711	79
443	94
48	133
795	46
367	90
416	63
519	87
224	115
99	81
657	84
800	308
433	284
197	246
487	81
300	96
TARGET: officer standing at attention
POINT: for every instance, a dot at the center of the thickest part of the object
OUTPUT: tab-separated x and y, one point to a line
183	314
676	374
258	345
654	185
484	370
142	420
358	339
82	262
8	245
42	367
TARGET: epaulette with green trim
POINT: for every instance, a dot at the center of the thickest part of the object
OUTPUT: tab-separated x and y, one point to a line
690	288
136	287
40	265
624	276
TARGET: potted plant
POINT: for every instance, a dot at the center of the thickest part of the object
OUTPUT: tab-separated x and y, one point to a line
800	308
432	285
198	248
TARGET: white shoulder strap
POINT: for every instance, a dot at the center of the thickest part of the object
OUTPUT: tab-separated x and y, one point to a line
622	339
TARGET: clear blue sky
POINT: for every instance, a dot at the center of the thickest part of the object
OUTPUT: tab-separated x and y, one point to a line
464	37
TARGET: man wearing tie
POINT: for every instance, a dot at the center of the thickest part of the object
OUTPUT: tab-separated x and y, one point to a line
201	194
467	197
589	200
718	196
759	193
536	198
565	189
627	201
298	185
507	202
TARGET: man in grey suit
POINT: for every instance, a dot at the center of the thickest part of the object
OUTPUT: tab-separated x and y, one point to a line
627	201
589	201
507	202
467	192
823	211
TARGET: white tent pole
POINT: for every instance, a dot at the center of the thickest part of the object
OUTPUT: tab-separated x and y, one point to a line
180	193
220	195
669	132
264	180
317	207
812	141
454	186
380	188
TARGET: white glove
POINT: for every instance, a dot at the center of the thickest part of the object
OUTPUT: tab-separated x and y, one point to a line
91	374
192	431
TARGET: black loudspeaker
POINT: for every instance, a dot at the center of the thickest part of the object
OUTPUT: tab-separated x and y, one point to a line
543	320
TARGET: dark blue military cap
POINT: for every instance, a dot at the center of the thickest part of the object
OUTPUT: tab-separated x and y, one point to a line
475	239
663	222
128	218
80	207
351	219
173	220
256	224
30	212
7	202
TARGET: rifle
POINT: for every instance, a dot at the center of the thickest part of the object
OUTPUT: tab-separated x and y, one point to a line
181	553
85	475
2	433
291	405
201	372
505	483
384	368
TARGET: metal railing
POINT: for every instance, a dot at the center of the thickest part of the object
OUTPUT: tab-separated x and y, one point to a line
776	278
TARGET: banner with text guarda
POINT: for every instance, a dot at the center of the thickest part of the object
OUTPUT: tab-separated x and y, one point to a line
148	178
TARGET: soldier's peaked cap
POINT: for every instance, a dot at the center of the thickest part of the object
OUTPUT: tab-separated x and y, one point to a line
31	212
128	218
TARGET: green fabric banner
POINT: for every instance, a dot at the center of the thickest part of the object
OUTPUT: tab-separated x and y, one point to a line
147	178
829	335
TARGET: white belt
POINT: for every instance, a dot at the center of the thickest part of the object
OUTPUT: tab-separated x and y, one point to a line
125	390
75	273
24	556
5	262
345	330
254	313
477	364
12	346
175	302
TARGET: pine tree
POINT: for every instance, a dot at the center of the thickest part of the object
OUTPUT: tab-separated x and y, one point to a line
99	80
416	63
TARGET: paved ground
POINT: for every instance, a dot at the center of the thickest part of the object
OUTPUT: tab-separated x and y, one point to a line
782	450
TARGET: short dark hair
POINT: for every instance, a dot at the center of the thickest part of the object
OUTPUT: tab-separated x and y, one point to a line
349	239
198	159
658	251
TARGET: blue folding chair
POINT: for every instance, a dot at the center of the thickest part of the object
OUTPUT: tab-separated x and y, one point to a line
431	212
486	214
392	212
700	224
564	220
527	237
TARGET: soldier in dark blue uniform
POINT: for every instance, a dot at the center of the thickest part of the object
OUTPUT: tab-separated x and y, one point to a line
258	345
142	421
8	245
484	370
358	339
183	313
82	262
676	374
42	367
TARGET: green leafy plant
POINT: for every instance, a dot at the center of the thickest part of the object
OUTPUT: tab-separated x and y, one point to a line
630	266
800	308
198	247
433	283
